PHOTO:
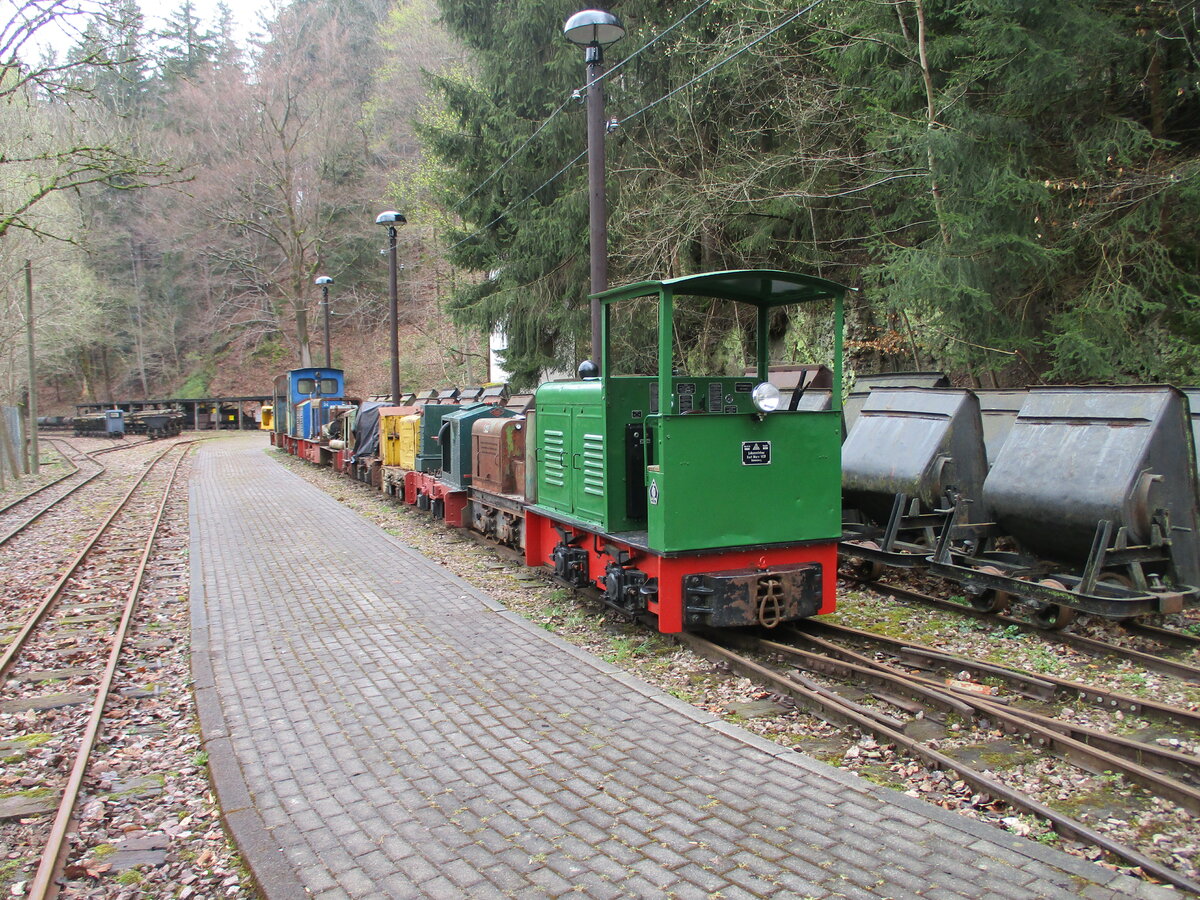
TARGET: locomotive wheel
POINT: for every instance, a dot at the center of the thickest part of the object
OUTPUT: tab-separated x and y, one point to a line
1053	616
991	600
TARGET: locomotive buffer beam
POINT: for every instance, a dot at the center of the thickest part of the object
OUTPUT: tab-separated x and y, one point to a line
741	597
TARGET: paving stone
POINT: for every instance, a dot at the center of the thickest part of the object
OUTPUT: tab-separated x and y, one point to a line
504	878
357	883
421	744
594	889
317	879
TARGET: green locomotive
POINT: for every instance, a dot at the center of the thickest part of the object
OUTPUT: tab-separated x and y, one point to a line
707	500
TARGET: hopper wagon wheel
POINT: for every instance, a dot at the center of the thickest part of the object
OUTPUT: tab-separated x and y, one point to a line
867	569
991	600
1122	581
1117	579
1053	616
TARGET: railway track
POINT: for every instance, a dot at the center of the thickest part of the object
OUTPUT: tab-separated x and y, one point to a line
916	694
73	638
1169	641
57	445
1040	686
19	514
120	444
1026	688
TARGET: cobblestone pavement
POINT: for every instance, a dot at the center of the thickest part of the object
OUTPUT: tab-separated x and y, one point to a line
378	728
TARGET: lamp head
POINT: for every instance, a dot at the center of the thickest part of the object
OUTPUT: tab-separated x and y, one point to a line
323	280
593	28
391	218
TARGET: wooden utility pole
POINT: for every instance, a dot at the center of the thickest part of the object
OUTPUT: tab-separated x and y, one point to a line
34	460
9	456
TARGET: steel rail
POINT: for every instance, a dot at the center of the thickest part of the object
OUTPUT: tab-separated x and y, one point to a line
49	506
66	440
44	885
49	484
1019	682
1179	639
858	672
125	445
1097	696
19	641
1090	645
1162	758
1066	740
842	713
1167	760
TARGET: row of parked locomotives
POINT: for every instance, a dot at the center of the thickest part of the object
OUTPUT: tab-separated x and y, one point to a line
713	500
700	498
1068	499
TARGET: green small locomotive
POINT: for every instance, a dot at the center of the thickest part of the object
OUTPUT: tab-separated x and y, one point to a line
706	500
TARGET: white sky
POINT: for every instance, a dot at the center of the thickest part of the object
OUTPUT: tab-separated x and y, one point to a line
246	15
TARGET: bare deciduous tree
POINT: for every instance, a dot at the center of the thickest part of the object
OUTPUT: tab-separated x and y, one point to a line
58	138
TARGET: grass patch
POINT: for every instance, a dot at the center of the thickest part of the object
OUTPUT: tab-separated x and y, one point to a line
10	867
997	760
36	739
882	776
1044	659
625	648
28	792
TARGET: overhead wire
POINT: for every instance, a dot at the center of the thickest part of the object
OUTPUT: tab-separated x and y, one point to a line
550	118
762	37
607	73
515	154
524	199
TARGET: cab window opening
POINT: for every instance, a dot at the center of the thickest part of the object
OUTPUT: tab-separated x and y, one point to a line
633	337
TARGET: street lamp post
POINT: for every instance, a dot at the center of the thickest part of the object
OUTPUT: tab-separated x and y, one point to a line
325	281
391	219
595	29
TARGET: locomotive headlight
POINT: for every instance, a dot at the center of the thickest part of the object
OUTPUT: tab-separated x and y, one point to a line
766	397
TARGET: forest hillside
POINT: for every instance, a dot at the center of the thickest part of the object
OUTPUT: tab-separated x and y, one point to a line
1013	187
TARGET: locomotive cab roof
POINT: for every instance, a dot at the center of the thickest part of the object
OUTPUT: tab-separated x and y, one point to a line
763	290
759	287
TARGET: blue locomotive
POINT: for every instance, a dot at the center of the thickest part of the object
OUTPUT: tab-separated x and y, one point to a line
303	402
